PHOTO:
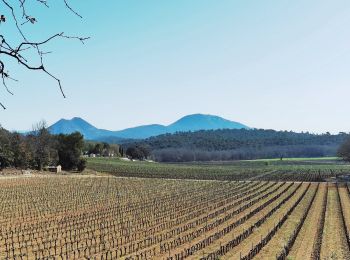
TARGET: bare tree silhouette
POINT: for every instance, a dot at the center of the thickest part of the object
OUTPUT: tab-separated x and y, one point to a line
18	52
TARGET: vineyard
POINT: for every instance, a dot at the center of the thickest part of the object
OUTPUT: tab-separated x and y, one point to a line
104	217
294	170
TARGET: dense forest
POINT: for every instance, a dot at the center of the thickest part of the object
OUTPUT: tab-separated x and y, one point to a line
238	144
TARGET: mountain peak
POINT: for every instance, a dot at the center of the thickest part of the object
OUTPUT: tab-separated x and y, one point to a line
74	119
196	122
197	117
77	119
76	124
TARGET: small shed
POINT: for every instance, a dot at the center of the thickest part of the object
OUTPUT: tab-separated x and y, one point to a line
56	169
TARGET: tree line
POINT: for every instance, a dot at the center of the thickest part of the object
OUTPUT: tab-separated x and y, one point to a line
103	149
239	144
39	148
344	150
245	153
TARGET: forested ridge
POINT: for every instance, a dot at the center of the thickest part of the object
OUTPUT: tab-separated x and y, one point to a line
231	144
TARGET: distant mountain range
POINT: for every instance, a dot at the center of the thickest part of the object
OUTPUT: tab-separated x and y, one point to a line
195	122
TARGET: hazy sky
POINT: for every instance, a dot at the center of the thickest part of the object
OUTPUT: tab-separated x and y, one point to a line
267	64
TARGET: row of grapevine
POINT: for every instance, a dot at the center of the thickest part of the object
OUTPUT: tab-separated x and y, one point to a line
245	234
283	255
101	217
254	251
316	251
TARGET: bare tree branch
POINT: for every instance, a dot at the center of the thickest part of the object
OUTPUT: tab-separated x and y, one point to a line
17	53
71	9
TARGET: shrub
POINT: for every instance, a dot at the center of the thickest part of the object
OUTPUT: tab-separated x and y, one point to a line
81	165
344	150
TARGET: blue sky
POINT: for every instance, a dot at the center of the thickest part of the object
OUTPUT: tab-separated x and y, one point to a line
268	64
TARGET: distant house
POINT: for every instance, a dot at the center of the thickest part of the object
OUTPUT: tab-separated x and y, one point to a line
56	169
